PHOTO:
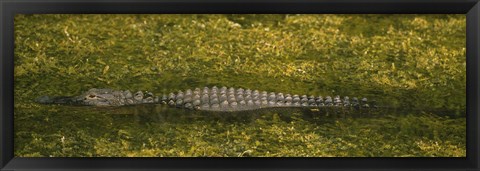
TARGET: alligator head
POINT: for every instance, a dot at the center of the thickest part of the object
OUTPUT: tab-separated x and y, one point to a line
100	97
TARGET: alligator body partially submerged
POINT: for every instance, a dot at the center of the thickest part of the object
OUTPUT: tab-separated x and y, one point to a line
208	99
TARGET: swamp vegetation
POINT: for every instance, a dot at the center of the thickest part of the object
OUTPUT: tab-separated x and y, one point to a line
412	63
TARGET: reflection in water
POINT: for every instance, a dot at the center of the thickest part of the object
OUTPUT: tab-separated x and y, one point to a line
160	113
150	113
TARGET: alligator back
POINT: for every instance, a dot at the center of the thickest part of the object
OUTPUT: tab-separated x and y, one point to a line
231	99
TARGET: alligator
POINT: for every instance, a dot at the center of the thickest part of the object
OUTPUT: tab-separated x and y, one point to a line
208	99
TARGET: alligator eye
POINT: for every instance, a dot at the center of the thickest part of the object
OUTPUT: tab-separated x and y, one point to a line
91	96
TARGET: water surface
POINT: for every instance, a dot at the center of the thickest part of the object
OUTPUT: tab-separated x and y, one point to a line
413	64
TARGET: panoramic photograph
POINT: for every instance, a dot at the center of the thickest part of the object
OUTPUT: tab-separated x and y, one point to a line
239	85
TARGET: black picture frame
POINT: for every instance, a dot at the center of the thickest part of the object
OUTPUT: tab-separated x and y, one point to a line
8	8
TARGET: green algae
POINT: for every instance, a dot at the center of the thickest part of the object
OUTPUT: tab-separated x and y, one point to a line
412	62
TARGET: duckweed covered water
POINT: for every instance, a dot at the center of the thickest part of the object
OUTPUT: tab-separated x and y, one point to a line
413	64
